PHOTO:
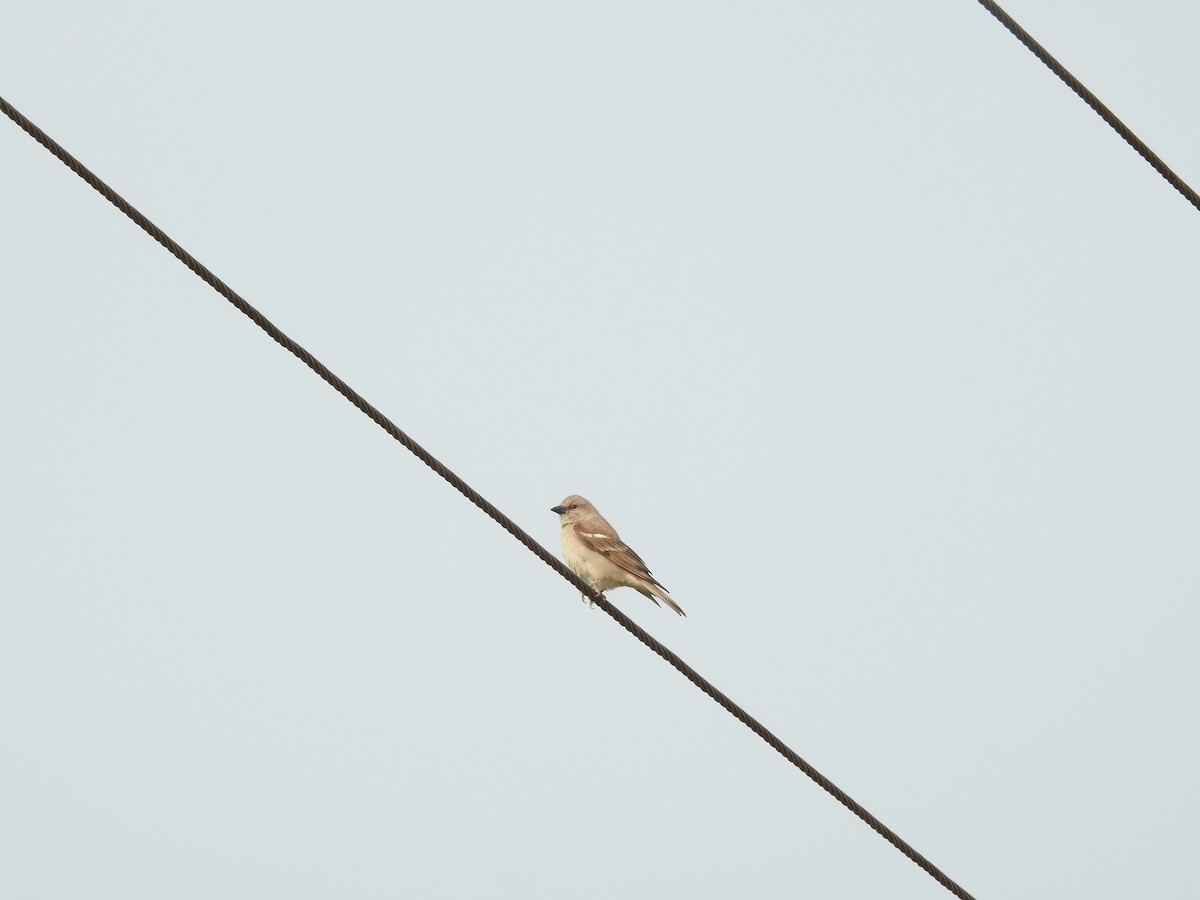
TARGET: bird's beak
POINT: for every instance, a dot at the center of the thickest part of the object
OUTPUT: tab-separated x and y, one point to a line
558	509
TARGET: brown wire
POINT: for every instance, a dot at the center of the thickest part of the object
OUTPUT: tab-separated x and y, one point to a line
471	494
1093	101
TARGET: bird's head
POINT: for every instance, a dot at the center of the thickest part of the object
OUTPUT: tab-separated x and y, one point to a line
573	509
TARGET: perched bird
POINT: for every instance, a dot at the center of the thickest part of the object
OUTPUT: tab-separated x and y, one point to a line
595	552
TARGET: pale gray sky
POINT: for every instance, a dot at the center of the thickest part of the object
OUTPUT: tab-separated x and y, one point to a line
874	341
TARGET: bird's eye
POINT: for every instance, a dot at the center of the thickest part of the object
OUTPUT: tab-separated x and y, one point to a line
572	506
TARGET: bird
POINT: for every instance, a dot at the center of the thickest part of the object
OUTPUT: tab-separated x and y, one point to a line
595	552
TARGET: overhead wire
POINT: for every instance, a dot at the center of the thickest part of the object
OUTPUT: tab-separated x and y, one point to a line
1093	101
476	498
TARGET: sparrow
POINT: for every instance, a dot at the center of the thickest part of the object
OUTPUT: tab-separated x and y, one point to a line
595	552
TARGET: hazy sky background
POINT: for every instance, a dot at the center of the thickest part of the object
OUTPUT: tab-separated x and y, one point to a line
872	339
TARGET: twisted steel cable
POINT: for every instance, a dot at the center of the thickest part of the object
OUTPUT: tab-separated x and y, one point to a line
1093	101
475	497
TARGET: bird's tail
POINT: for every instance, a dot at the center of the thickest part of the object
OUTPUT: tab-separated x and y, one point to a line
658	592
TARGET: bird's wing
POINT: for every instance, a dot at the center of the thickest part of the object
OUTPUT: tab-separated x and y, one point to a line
603	541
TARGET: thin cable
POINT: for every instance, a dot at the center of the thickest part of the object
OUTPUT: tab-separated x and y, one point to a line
467	491
1093	101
